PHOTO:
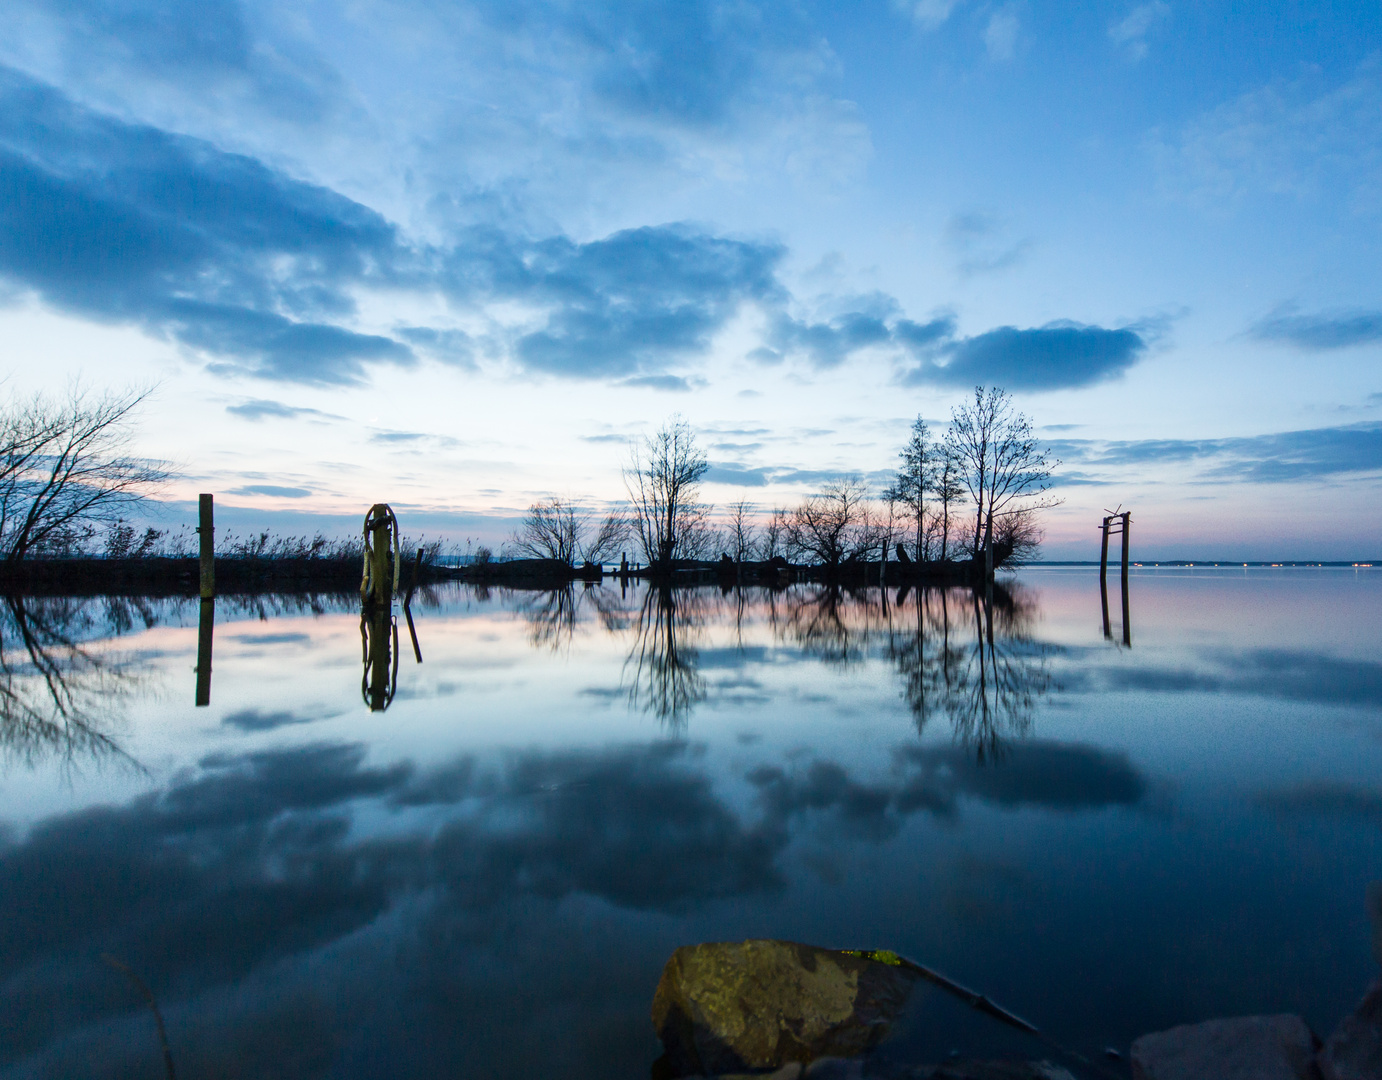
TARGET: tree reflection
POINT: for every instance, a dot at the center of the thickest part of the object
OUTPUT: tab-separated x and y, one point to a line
973	661
551	618
665	680
832	624
58	690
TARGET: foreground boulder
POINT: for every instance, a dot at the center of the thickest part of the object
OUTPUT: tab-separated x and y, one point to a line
1278	1047
756	1005
1354	1051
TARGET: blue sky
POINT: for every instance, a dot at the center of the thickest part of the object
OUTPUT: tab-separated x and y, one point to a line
453	256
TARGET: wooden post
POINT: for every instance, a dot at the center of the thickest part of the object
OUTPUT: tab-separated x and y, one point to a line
408	596
206	530
1127	624
1103	557
205	625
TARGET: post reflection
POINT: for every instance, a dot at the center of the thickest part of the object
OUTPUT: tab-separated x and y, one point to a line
379	648
1127	612
206	624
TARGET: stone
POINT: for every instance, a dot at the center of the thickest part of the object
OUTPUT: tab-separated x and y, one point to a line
1354	1050
1280	1047
732	1007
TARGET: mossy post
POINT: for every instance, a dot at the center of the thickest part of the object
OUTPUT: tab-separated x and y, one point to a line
380	578
206	530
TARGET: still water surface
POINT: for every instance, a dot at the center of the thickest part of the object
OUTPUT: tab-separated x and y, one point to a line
485	879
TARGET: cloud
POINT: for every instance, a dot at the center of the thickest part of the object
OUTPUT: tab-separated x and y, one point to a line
735	475
630	303
256	409
259	720
928	14
1056	356
1036	772
1278	673
977	243
1000	34
1280	457
1131	31
1301	139
671	383
1323	330
122	222
272	489
1323	798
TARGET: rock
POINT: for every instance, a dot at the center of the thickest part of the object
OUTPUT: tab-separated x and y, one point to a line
1354	1050
757	1005
1278	1047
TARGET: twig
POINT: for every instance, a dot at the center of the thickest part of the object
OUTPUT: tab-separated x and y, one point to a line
143	988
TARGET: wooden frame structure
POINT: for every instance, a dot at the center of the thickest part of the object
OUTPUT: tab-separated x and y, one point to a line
1116	522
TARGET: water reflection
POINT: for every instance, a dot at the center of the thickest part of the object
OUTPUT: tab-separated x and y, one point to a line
206	627
59	689
972	660
379	649
662	671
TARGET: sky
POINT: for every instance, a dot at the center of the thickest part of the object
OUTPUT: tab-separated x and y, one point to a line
454	256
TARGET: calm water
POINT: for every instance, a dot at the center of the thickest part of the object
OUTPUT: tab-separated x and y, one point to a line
486	878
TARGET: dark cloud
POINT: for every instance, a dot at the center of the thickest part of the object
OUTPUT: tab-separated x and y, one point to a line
271	489
1051	357
736	475
1036	772
1323	798
1279	673
251	859
259	720
1324	330
123	222
1274	458
626	305
258	271
256	871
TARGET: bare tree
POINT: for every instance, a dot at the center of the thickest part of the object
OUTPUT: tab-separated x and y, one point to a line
1020	532
773	539
663	477
67	465
914	481
551	529
741	531
558	528
949	492
613	531
833	525
1001	465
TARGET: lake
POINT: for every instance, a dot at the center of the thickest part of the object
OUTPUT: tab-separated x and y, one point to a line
485	877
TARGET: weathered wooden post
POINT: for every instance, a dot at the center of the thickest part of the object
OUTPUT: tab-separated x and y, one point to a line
1103	555
206	622
206	531
380	581
1127	624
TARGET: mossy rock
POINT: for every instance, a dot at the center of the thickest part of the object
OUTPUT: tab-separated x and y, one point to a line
739	1006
